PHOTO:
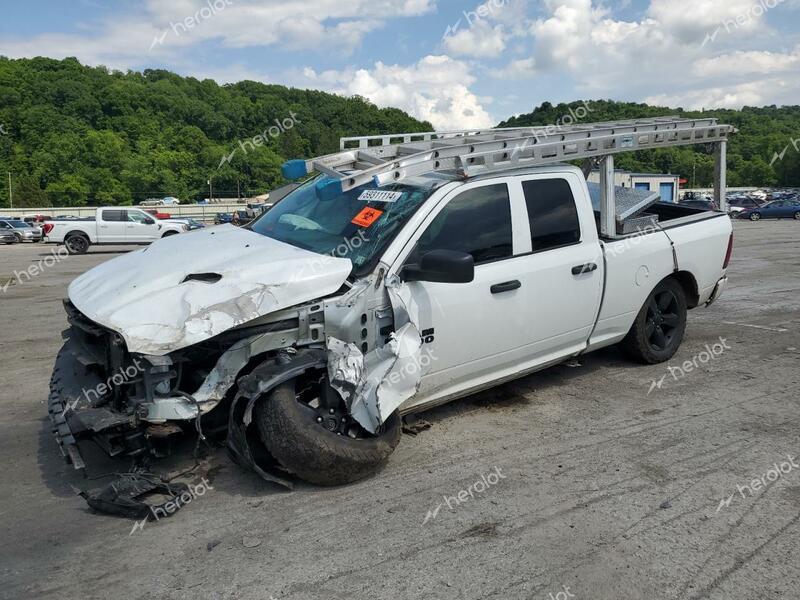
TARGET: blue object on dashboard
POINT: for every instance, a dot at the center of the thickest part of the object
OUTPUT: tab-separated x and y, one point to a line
329	189
294	169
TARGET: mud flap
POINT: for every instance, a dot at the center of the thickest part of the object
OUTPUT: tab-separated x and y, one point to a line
376	384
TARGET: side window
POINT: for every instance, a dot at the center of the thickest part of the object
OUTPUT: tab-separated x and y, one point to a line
137	217
113	215
552	213
477	222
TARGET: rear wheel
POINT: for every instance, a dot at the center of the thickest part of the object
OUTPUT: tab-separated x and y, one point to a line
755	216
77	244
315	438
658	330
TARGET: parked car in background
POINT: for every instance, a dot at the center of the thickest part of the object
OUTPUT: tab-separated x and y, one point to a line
111	226
701	204
24	232
7	237
777	209
157	214
740	203
188	221
222	218
36	218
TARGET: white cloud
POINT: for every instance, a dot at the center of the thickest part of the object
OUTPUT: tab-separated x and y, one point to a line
163	30
747	64
435	89
524	68
480	40
690	20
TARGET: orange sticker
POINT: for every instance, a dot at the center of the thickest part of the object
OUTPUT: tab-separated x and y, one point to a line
367	217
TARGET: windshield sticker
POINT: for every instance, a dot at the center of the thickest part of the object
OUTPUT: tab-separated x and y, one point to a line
367	217
380	196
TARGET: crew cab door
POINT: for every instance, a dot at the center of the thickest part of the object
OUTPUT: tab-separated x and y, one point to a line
562	276
141	227
111	226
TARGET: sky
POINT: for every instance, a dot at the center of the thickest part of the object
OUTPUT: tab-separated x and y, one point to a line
456	64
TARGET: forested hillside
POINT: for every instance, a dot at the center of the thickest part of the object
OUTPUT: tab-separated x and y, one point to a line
75	135
762	133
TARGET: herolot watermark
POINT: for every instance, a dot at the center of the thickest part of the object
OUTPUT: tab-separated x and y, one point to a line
280	127
778	156
121	377
743	19
171	507
562	595
37	268
706	356
771	476
543	131
212	8
321	262
479	487
481	12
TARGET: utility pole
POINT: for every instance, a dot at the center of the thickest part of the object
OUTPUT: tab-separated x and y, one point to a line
238	191
10	196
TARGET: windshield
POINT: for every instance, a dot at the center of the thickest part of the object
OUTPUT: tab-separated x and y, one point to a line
19	225
357	225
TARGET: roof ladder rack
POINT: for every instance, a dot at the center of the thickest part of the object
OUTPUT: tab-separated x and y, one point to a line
385	159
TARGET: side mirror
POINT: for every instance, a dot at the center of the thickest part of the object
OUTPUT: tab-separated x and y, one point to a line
442	266
149	221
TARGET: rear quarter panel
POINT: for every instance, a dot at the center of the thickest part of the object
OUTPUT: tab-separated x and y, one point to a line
701	249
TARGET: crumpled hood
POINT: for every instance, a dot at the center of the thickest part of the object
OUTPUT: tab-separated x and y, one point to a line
144	295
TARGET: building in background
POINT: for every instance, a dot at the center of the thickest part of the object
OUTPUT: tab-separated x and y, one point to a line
667	185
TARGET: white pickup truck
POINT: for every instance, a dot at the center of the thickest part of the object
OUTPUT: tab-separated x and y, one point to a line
309	333
111	226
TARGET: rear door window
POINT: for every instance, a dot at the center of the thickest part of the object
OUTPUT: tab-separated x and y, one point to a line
552	213
113	215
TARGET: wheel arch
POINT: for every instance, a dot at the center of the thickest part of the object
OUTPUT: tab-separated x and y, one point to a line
689	285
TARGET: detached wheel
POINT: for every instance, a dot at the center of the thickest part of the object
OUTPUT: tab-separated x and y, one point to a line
321	445
77	244
755	216
658	330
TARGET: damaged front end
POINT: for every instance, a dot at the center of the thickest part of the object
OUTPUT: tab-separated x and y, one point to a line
139	405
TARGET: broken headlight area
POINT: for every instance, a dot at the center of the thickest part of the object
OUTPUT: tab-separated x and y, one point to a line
128	404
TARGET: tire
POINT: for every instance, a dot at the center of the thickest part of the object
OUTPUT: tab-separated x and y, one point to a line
292	435
797	215
755	216
19	238
658	330
77	244
169	234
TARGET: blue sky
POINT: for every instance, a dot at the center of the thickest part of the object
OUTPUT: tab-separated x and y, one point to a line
456	64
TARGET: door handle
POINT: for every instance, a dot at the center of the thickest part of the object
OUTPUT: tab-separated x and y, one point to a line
583	269
508	286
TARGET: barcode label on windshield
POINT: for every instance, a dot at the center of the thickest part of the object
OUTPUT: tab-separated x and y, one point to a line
380	196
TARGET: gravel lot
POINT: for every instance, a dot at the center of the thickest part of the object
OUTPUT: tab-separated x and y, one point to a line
605	485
